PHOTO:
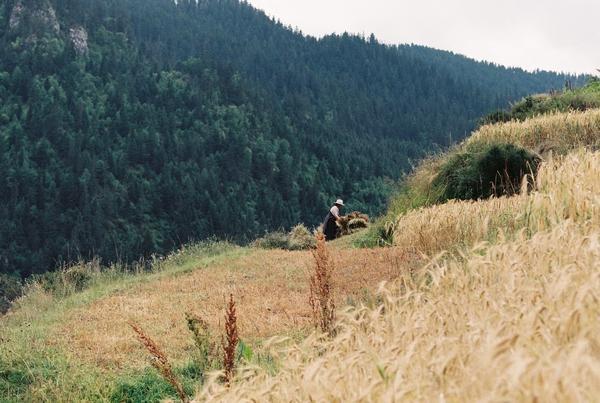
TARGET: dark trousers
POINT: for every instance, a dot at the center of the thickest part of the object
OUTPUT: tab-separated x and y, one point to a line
330	227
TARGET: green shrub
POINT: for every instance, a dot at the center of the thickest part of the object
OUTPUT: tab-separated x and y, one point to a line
10	289
69	279
300	238
78	277
14	380
496	170
499	116
207	354
272	240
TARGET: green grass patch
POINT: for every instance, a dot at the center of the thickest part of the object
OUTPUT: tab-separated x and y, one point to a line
47	375
149	386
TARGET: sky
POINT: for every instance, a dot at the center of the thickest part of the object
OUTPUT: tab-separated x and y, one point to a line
556	35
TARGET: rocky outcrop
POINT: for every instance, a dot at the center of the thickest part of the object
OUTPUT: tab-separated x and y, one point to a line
39	19
79	38
16	15
34	21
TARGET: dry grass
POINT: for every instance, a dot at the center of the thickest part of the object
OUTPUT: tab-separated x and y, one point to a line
559	132
513	321
569	189
271	289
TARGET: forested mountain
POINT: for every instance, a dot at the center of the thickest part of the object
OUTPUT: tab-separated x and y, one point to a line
129	127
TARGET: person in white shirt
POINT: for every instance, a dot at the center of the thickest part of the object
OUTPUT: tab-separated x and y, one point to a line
329	224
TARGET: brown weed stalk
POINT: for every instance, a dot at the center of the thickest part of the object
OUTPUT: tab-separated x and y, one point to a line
321	296
231	341
159	361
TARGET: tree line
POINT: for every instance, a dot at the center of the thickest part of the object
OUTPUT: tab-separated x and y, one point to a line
196	119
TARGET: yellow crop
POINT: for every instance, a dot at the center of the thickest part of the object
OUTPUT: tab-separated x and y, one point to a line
514	320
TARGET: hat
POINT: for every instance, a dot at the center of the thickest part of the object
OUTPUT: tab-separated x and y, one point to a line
339	202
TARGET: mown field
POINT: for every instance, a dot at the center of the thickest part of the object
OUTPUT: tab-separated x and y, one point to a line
472	300
80	346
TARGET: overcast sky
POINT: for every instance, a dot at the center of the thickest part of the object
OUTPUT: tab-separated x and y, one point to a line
558	35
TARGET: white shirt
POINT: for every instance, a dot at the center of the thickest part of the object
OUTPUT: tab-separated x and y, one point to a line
335	211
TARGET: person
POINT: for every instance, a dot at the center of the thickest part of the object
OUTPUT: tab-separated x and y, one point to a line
329	225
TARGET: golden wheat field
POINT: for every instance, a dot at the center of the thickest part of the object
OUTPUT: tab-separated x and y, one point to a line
546	135
512	320
458	224
566	188
559	132
516	323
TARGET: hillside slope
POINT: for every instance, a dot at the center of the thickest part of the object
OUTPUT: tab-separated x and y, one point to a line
484	300
131	127
69	340
506	307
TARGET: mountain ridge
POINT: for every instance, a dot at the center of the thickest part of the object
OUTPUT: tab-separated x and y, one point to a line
177	122
504	269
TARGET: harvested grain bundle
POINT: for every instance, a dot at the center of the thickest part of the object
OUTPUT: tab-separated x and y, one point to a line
357	223
358	215
352	222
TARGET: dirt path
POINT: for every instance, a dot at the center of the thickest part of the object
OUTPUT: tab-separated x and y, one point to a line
270	287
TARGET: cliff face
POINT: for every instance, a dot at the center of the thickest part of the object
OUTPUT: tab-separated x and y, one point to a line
37	18
34	20
79	39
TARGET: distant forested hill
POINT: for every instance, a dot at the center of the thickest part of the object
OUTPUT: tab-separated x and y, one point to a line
129	127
